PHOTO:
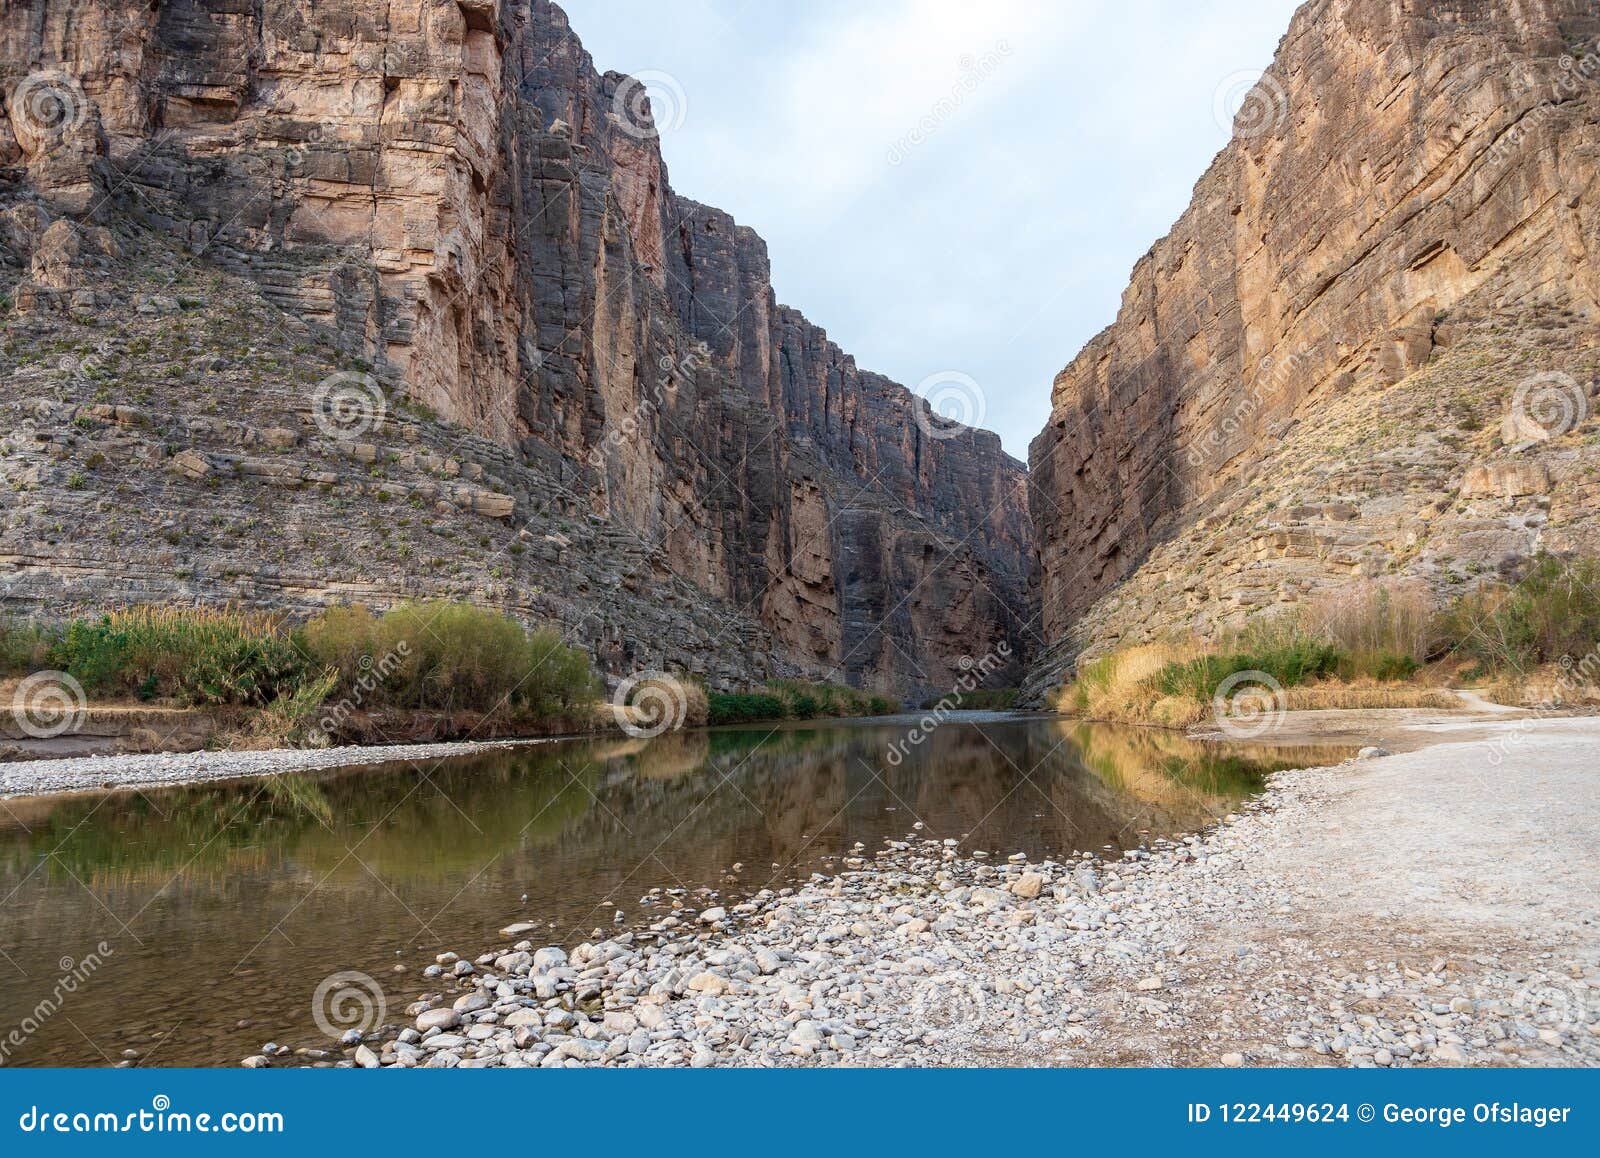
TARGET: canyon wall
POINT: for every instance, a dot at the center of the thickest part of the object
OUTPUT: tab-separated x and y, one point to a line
450	199
1365	350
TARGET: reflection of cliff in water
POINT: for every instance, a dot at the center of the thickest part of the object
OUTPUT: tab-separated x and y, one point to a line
1055	788
1152	781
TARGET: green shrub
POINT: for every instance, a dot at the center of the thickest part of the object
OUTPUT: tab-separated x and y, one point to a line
448	656
293	718
743	708
1552	612
797	700
1384	666
192	654
344	639
25	645
1290	662
977	700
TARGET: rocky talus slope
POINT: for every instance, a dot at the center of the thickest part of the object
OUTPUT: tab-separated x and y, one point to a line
1367	349
319	301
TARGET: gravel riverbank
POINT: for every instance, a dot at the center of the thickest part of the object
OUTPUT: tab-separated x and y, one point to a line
39	777
1432	908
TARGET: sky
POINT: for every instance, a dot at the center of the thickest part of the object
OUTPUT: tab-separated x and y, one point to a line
948	187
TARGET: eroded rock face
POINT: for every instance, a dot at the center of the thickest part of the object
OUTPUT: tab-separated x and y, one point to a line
1406	175
453	192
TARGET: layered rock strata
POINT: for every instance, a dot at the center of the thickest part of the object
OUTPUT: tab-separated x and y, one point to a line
1365	349
448	198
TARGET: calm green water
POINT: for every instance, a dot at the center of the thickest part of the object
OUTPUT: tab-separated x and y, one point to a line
227	904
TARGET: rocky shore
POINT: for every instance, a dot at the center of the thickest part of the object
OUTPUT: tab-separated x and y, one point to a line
1294	933
85	773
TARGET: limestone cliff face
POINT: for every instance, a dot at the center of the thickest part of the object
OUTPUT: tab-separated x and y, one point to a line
1408	177
452	193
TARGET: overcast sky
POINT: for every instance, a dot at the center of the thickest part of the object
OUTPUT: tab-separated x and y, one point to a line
945	185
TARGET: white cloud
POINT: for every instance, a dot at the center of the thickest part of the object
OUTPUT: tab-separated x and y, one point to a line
1004	239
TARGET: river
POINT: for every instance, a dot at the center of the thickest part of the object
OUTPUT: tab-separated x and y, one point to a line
188	926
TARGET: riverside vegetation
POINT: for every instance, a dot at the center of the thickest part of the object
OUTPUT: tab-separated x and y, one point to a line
432	656
1531	641
324	679
796	700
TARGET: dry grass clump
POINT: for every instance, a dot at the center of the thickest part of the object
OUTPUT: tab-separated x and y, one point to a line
419	657
657	702
1121	686
1324	696
1382	631
1354	649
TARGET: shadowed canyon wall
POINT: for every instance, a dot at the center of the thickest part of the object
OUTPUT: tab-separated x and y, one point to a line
1323	372
451	197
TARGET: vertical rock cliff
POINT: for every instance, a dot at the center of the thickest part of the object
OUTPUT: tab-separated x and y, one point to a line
1309	377
448	195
